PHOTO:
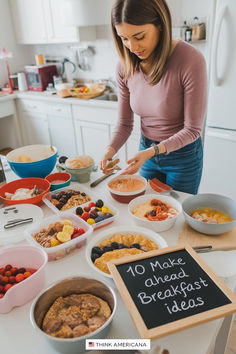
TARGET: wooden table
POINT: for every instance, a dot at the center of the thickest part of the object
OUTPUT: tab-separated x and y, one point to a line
18	336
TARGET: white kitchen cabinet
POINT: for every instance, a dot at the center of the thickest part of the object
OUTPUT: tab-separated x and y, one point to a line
35	128
93	129
92	138
57	30
41	21
61	129
29	22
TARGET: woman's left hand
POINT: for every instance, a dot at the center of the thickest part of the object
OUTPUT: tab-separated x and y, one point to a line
136	162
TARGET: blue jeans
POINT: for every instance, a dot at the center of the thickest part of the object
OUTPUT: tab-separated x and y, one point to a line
181	169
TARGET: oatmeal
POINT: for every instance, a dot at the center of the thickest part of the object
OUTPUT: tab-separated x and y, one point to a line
68	199
154	210
126	185
75	315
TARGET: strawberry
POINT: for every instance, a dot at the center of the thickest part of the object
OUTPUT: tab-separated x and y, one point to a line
85	216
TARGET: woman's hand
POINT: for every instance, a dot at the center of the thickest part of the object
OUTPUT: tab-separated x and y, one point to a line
110	152
136	162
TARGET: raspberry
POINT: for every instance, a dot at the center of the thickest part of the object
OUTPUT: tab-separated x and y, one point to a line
21	270
8	273
12	279
2	271
14	270
27	274
8	267
19	277
87	208
4	280
7	287
32	271
1	296
1	289
80	231
91	205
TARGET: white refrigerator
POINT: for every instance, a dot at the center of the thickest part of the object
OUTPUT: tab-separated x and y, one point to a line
219	171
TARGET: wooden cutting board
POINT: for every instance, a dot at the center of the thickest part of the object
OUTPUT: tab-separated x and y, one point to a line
225	242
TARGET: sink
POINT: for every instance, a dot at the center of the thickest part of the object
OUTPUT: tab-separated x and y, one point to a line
107	97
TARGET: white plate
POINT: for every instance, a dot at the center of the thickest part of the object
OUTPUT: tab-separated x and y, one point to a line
151	235
16	234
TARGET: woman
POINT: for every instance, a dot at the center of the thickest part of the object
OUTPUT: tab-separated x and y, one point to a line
164	82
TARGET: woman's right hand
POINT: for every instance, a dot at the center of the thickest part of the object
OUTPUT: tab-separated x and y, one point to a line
110	152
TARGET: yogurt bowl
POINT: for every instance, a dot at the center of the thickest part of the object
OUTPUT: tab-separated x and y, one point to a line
124	188
156	225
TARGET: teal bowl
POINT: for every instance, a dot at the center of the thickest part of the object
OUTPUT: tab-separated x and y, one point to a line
58	180
44	158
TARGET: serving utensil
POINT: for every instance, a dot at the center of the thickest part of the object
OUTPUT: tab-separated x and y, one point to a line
100	179
16	222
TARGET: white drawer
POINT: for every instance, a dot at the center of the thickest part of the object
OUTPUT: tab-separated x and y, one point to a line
33	106
94	114
60	109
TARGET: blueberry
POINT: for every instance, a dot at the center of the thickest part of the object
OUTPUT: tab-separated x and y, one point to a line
107	215
94	256
56	196
92	215
79	211
114	245
97	250
83	194
98	219
122	245
152	213
59	206
62	159
135	245
106	249
99	203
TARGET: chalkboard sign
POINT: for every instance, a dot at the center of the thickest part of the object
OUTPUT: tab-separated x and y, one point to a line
169	290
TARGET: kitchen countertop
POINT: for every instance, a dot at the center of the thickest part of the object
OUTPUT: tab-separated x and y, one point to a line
45	96
18	336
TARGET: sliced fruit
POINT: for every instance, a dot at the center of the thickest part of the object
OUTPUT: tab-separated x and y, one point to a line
63	236
66	222
68	229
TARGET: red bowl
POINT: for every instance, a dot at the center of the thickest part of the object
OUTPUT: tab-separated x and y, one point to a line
11	187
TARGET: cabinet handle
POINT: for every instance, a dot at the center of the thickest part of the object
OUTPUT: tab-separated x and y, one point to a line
33	107
58	109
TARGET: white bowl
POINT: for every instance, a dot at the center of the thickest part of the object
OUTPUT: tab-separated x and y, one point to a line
106	234
126	197
162	225
214	201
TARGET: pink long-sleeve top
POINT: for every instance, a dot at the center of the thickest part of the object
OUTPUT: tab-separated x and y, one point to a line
172	111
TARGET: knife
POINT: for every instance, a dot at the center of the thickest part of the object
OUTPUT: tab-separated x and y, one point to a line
100	179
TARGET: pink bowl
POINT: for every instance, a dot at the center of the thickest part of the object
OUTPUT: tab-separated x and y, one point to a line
28	257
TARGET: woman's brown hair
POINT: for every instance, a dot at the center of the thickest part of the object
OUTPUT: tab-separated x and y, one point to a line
141	12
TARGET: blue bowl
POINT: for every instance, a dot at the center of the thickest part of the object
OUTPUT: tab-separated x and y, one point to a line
44	160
